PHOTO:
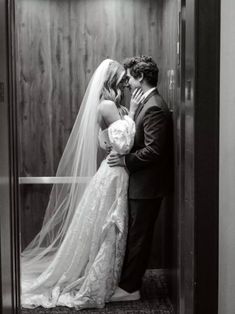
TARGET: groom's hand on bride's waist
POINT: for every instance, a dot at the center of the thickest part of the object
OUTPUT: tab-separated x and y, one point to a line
108	150
115	159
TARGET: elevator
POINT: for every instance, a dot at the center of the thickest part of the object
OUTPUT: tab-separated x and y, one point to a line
49	50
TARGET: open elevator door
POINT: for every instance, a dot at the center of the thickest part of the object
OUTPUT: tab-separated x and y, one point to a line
197	154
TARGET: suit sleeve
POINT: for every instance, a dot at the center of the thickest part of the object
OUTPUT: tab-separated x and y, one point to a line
154	124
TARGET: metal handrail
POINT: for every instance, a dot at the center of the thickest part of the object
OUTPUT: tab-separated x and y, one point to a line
53	180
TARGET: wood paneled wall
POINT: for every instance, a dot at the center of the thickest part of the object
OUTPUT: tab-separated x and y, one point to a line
60	43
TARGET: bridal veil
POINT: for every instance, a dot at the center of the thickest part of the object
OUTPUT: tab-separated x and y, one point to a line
77	165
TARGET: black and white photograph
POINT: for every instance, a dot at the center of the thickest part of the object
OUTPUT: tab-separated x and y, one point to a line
117	150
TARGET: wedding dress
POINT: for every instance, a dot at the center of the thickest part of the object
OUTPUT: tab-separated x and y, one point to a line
84	269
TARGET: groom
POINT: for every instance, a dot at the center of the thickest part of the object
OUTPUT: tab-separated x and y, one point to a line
150	167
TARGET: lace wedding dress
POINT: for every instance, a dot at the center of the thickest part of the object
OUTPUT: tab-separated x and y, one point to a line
85	270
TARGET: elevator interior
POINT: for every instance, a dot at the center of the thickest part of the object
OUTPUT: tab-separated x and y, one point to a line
57	45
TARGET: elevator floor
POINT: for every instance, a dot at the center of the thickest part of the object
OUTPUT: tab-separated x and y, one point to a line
154	299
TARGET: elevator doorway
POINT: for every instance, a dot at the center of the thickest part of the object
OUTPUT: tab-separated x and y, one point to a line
163	29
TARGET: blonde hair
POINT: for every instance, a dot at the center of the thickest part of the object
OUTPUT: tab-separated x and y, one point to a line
110	90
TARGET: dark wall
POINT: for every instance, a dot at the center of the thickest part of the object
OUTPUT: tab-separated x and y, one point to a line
60	43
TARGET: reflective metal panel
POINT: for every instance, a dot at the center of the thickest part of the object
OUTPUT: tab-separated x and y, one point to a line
6	271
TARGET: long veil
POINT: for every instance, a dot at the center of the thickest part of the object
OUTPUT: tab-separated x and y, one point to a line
77	165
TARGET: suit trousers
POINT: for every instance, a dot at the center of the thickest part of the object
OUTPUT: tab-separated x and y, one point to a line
142	216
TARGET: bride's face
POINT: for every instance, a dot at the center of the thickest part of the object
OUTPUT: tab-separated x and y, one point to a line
122	82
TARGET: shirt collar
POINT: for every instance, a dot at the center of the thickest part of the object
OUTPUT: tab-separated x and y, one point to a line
146	94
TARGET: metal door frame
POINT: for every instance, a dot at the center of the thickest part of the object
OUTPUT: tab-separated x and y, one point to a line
206	154
198	155
9	219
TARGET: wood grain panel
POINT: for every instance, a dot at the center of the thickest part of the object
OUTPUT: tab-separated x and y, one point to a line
60	43
33	203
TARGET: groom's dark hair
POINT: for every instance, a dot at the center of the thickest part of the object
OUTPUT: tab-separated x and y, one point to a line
145	65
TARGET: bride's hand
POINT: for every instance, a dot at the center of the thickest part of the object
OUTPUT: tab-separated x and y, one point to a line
135	101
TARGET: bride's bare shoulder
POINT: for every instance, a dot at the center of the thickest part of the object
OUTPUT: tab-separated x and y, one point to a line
108	110
107	105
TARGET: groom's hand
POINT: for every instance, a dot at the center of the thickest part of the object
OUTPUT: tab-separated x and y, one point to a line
108	150
115	159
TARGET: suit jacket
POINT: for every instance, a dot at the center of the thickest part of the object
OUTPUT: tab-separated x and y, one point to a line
150	162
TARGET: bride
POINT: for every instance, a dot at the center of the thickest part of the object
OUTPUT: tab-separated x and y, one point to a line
76	258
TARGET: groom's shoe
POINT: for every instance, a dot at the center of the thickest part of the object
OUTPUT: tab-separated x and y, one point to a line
122	295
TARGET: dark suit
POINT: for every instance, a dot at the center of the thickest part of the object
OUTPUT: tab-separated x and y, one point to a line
150	167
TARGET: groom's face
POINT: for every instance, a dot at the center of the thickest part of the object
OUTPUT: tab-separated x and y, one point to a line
133	83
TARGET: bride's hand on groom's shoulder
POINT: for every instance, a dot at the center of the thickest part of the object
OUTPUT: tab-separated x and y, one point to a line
115	159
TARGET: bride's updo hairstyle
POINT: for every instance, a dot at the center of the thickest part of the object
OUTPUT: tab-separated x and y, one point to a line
111	89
